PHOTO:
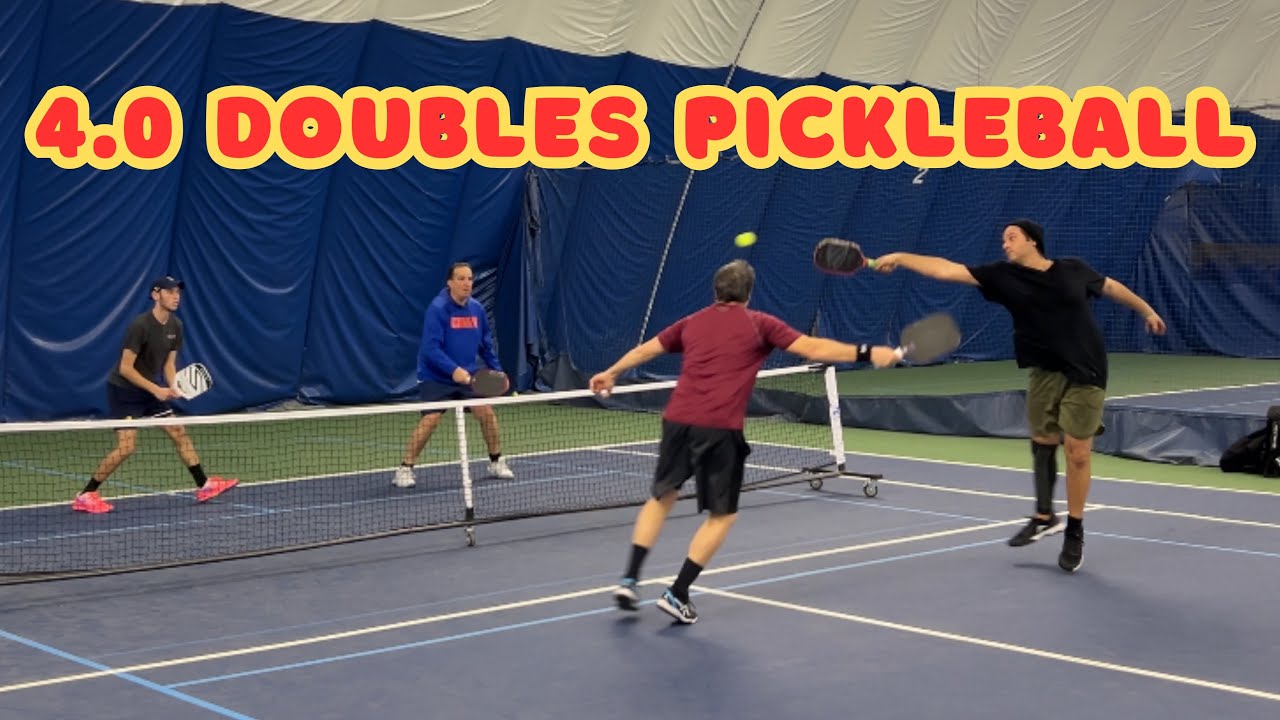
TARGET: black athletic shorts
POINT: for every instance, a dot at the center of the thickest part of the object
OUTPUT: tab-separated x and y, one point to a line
715	457
437	392
131	403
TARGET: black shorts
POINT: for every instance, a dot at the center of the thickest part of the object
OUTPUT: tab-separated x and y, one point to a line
715	457
440	392
130	403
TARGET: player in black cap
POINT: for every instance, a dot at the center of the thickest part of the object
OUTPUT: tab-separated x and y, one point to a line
140	386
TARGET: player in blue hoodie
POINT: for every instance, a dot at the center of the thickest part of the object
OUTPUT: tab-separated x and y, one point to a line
454	331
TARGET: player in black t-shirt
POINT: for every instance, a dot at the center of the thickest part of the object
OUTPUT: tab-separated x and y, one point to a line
140	386
1055	336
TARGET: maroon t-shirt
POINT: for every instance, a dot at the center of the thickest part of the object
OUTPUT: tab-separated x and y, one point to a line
724	346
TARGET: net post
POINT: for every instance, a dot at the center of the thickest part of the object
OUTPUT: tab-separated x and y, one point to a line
833	412
460	422
870	481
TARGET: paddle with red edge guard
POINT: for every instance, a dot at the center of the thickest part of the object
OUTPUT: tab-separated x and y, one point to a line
835	256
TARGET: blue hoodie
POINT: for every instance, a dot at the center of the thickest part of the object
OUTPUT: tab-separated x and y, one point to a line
451	336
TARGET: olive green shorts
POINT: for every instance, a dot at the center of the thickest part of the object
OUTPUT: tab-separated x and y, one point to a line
1055	405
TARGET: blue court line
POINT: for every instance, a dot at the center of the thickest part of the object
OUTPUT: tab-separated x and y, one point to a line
81	477
1193	546
190	700
862	563
545	621
736	586
395	648
256	511
882	506
507	591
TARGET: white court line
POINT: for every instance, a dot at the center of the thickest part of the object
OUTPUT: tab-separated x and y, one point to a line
1190	390
250	483
1187	516
1127	481
996	645
432	619
1088	507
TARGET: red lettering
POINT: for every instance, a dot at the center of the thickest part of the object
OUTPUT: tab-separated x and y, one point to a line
310	127
364	128
865	127
1209	132
489	138
605	116
60	127
757	126
1099	126
983	119
916	119
553	123
229	112
147	128
440	131
1151	138
1040	133
791	127
707	120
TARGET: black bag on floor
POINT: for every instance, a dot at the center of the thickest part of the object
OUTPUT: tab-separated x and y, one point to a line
1271	444
1245	454
1258	452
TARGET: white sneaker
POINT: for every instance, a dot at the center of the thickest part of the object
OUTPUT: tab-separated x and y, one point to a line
404	477
499	469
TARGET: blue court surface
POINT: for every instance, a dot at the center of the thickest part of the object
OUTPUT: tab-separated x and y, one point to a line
823	603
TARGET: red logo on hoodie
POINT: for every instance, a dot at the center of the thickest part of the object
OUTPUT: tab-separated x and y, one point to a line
464	322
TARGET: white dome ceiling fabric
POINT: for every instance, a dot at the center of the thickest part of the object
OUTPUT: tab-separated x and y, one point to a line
1173	45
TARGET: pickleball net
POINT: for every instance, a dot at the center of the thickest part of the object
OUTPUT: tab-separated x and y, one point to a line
310	478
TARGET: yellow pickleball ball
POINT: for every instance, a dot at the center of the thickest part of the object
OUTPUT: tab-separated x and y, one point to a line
745	239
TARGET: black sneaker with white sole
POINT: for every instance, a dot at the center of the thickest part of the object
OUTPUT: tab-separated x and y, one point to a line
682	611
1036	529
626	594
1072	555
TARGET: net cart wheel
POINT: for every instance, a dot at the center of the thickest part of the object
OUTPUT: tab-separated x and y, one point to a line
816	483
870	489
471	537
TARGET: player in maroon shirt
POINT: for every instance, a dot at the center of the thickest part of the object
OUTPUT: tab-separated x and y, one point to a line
724	345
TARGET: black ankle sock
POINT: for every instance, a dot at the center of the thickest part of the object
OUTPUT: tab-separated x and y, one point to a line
1075	525
493	457
405	464
197	473
688	573
1045	467
637	558
92	486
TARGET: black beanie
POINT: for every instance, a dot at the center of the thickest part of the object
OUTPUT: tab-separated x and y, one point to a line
1033	230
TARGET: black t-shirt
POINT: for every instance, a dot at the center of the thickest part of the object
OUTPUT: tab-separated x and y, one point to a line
152	342
1053	326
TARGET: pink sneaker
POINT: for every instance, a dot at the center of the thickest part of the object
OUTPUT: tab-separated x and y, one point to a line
213	487
91	503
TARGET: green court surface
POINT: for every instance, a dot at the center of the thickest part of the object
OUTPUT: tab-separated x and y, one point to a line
43	467
1131	374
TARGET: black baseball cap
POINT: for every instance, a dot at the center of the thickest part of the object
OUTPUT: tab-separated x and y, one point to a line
168	282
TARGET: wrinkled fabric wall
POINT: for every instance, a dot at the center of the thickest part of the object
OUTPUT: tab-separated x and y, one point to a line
310	285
